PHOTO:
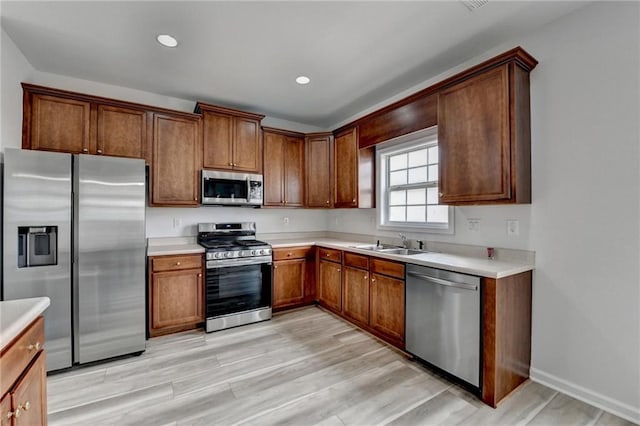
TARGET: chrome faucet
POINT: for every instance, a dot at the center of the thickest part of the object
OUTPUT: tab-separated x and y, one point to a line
405	242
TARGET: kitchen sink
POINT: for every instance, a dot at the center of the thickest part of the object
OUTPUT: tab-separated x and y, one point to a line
401	251
389	249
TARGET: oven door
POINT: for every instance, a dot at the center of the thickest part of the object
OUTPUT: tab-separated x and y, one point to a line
232	289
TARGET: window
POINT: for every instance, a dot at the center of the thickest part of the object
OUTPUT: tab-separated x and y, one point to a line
408	182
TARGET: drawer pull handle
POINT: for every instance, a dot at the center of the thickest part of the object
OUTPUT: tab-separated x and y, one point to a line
32	346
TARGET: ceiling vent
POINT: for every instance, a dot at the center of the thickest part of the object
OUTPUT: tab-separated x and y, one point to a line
474	4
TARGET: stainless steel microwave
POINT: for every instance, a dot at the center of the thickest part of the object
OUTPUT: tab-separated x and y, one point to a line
231	188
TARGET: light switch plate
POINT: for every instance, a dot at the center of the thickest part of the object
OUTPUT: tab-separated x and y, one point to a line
473	225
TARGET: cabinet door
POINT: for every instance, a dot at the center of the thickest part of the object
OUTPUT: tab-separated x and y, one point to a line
247	147
176	299
387	306
294	172
318	171
176	161
30	394
473	139
59	124
288	282
274	169
356	294
218	140
122	132
5	410
346	169
330	286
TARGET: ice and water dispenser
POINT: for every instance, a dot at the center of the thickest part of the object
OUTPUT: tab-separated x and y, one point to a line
37	246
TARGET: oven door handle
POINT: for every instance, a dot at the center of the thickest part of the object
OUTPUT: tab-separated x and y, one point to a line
228	263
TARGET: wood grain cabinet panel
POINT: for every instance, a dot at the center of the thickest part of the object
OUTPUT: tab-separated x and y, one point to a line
284	168
122	132
176	161
330	285
356	294
232	139
176	295
387	307
288	282
484	136
346	169
318	170
57	124
23	378
30	394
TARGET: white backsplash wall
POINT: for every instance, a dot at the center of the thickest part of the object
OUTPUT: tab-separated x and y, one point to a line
179	222
491	229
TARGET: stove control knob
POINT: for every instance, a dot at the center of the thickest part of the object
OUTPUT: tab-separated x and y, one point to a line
253	252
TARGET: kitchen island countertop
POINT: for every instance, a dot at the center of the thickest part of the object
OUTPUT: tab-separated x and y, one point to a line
16	315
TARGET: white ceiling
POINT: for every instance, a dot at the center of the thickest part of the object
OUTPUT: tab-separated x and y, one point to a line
247	54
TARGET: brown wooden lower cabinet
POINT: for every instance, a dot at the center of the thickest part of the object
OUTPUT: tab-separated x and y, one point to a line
294	277
330	285
356	294
386	309
506	335
176	293
23	379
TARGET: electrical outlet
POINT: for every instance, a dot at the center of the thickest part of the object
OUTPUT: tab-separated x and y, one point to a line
285	220
177	223
513	227
473	225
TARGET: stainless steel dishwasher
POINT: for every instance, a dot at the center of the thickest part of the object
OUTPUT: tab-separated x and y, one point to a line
443	320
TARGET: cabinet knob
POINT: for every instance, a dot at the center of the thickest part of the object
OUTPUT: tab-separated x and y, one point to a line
25	406
373	280
235	164
199	275
289	254
365	277
16	413
231	164
85	149
275	267
285	201
177	263
327	201
441	194
99	151
353	201
338	269
35	346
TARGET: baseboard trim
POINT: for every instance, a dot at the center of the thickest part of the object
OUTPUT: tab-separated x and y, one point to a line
596	399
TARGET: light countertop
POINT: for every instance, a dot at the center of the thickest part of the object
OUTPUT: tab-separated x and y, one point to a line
484	267
459	262
16	315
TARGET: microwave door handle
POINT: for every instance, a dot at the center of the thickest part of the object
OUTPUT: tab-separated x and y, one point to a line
248	189
27	257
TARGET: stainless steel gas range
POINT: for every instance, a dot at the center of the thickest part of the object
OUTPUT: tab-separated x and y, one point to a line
238	275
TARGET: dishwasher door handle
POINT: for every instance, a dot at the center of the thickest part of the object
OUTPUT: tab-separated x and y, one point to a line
440	281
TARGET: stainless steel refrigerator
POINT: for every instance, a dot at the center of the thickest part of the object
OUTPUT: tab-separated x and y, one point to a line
74	230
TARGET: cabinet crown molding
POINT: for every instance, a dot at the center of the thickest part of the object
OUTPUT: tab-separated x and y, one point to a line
202	106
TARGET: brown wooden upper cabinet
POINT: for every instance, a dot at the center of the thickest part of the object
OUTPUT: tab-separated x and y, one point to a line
57	120
318	170
353	171
176	166
231	139
283	168
484	134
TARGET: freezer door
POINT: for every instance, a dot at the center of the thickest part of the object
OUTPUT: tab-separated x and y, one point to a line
37	194
109	273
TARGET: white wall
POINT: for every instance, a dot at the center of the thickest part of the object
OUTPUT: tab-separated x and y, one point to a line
584	222
160	220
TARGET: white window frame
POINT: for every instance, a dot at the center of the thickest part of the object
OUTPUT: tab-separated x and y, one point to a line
391	147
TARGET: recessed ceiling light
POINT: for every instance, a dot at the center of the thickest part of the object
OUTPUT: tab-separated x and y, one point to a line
167	40
303	79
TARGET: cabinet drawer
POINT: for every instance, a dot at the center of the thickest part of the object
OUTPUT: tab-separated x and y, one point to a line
18	355
386	267
173	263
291	253
330	254
356	260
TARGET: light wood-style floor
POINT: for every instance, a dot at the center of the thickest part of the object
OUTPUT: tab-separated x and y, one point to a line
305	367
